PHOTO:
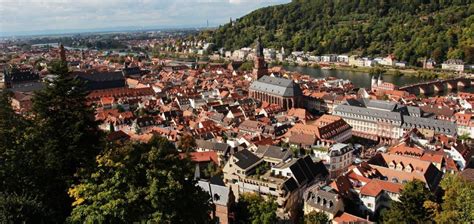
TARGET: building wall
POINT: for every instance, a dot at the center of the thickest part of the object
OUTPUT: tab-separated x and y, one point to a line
372	126
453	67
339	164
308	209
369	203
284	102
464	129
222	213
343	136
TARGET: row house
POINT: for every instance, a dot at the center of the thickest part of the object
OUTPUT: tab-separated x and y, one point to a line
388	121
328	129
121	93
464	124
323	199
286	181
401	169
337	158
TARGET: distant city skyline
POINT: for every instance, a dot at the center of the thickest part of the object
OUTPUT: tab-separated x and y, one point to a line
29	17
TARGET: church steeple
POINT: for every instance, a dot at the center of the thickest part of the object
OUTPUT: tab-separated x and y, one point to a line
259	47
62	53
260	68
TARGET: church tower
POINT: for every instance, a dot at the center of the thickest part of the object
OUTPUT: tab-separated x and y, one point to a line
62	53
380	80
373	83
260	67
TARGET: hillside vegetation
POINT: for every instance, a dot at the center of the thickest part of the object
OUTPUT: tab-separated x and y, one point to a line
410	29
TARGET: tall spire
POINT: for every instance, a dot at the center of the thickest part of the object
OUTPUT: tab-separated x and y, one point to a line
259	47
260	67
62	52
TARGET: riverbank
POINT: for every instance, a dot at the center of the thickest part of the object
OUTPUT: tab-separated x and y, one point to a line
359	77
411	71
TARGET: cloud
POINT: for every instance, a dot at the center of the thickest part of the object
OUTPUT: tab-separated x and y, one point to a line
34	15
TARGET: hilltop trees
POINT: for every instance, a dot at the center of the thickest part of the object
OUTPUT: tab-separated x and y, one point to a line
409	29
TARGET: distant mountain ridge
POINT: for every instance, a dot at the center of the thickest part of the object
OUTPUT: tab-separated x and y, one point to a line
409	29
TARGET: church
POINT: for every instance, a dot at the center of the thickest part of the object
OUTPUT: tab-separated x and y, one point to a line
273	90
378	86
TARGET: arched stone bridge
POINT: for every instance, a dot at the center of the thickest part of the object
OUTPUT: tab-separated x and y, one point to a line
437	86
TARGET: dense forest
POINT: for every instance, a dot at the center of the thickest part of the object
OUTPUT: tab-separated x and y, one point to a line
438	29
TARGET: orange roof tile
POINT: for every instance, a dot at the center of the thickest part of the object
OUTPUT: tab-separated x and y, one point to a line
375	187
346	218
208	156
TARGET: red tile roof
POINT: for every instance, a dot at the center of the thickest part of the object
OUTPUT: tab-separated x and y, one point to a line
199	157
375	187
346	218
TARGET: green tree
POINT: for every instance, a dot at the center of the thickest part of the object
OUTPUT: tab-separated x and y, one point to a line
15	208
371	27
20	192
376	72
65	137
410	208
469	54
464	136
187	143
70	135
246	66
455	53
316	218
458	201
252	208
41	156
140	182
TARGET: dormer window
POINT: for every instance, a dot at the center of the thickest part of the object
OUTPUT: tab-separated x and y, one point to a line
392	165
400	166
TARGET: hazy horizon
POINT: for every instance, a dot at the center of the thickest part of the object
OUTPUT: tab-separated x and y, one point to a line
50	17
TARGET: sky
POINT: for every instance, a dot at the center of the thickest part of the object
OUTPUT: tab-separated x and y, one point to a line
40	16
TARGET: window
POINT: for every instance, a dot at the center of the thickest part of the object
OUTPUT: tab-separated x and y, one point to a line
369	205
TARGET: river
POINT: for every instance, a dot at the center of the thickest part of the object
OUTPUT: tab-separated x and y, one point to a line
359	79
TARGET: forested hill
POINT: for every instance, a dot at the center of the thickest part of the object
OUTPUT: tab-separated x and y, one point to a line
410	29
